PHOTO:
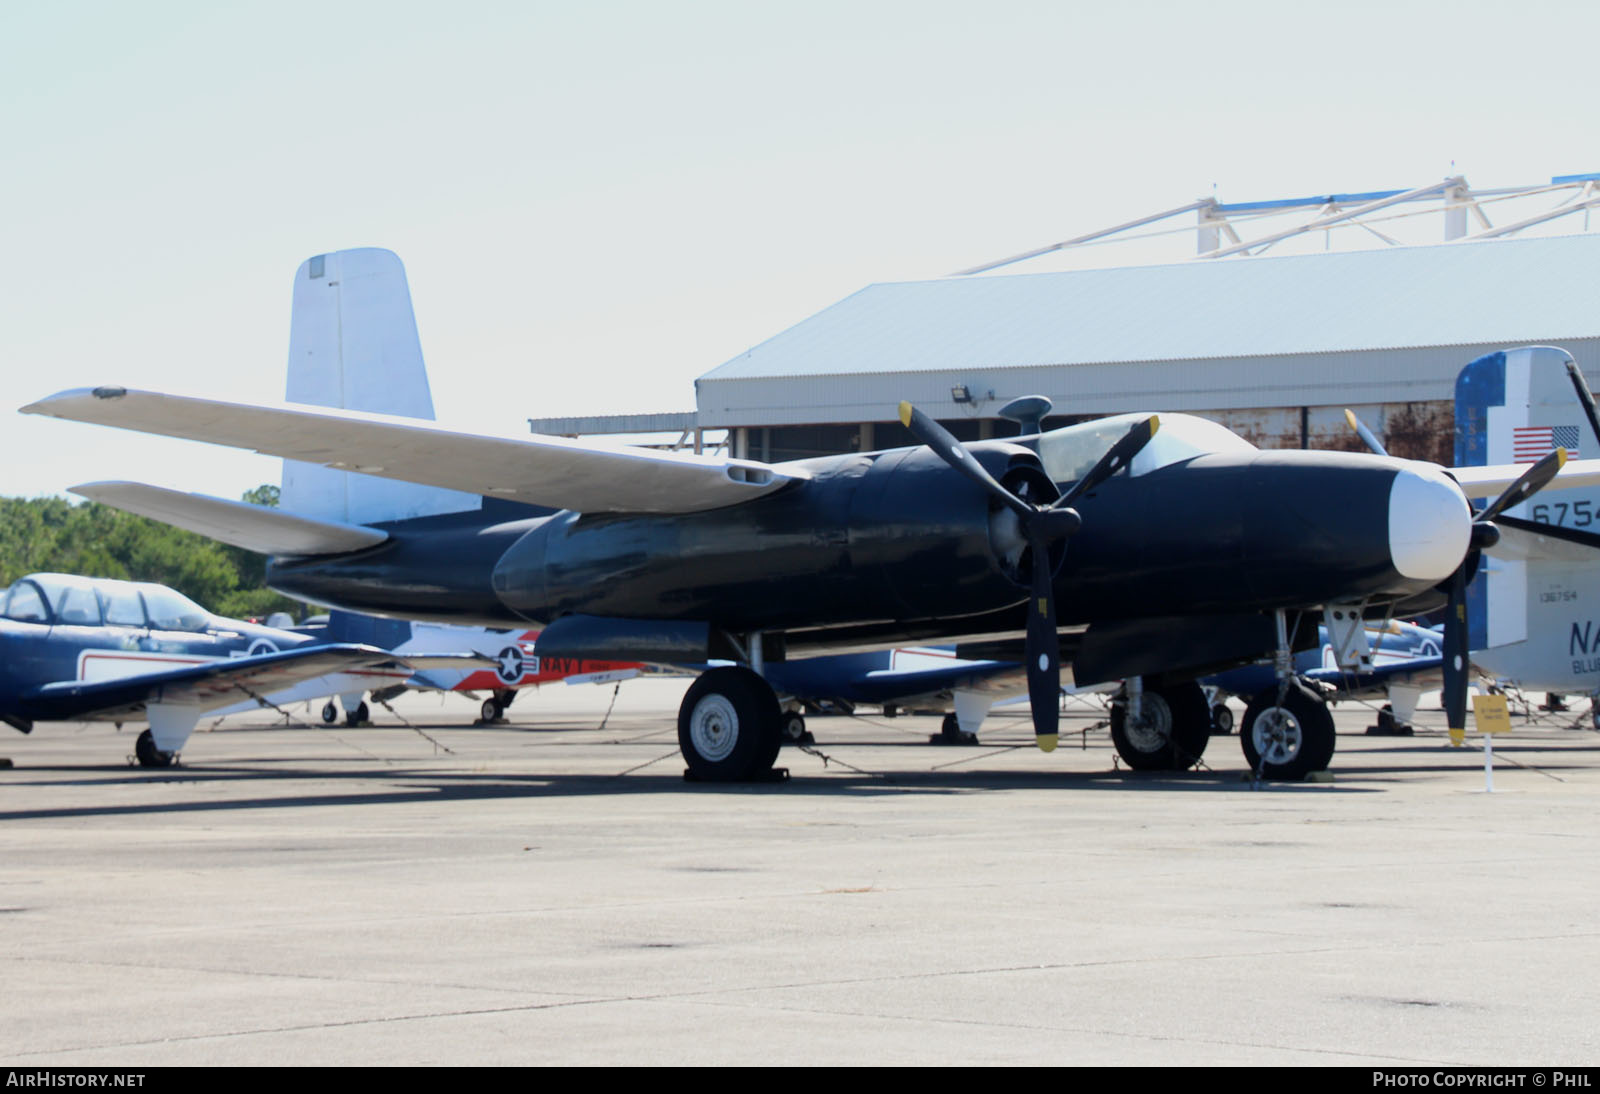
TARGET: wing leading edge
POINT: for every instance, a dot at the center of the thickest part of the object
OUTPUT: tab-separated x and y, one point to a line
551	471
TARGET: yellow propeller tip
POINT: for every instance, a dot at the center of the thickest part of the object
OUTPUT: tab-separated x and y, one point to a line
1458	737
1047	742
905	414
1350	418
1561	458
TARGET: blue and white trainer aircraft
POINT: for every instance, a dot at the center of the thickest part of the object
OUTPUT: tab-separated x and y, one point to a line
96	649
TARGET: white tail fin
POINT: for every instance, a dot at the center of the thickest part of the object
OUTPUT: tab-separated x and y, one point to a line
353	346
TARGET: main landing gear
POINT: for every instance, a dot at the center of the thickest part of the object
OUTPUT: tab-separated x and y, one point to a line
148	755
730	727
493	710
1160	729
360	716
1287	738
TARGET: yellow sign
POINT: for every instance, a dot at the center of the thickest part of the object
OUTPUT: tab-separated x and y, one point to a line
1491	713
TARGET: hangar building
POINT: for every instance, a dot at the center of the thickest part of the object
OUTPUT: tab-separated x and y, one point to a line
1273	347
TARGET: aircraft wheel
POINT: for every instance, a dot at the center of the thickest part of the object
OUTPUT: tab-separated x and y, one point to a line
490	711
1171	735
1288	741
792	726
728	726
330	713
1221	719
148	755
359	716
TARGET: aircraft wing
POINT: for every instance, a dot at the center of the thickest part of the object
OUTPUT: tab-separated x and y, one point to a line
1426	672
840	678
1489	480
550	471
253	527
207	686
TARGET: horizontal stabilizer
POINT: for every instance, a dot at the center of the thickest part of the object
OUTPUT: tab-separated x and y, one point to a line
549	471
238	523
1489	481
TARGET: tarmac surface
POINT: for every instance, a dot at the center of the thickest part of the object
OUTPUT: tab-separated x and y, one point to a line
552	891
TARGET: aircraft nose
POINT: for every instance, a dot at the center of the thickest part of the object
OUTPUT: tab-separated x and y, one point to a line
1429	524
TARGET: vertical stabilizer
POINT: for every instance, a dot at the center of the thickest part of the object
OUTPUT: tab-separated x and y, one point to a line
1513	407
353	345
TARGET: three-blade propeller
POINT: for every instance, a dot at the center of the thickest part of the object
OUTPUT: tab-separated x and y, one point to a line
1457	640
1042	526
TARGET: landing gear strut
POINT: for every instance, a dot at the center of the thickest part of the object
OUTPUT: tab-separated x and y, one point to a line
1287	731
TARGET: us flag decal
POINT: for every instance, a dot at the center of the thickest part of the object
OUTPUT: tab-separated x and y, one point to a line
1530	443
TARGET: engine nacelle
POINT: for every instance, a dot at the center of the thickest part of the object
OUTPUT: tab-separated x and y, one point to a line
886	536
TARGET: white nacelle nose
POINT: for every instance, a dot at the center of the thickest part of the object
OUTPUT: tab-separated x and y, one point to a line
1429	523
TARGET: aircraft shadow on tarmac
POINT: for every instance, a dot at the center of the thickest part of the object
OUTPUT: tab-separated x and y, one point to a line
401	786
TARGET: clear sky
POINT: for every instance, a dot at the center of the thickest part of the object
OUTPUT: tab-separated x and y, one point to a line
598	202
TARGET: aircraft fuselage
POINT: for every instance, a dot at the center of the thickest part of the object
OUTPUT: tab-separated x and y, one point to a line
898	537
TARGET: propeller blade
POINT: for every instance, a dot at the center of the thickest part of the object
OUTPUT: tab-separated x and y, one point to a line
954	453
1368	438
1043	649
1533	480
1456	655
1116	458
1585	396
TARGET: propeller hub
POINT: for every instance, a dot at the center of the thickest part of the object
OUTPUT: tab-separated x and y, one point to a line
1430	526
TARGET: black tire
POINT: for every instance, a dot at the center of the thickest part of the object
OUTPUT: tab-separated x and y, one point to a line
1177	727
490	711
1288	741
1221	720
728	726
792	725
148	755
330	713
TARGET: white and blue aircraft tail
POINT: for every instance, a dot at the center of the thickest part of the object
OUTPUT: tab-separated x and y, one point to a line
1535	606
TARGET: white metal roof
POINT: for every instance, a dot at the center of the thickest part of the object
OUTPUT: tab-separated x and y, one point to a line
1500	291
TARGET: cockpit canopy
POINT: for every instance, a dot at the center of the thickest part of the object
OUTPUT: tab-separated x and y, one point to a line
1068	453
69	600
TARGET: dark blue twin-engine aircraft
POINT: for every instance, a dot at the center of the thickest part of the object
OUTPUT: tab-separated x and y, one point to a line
1124	550
77	648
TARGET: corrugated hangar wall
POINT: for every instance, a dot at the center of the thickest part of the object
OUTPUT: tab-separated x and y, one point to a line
1274	348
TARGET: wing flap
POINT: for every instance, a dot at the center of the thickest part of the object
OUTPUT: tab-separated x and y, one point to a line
548	471
238	523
